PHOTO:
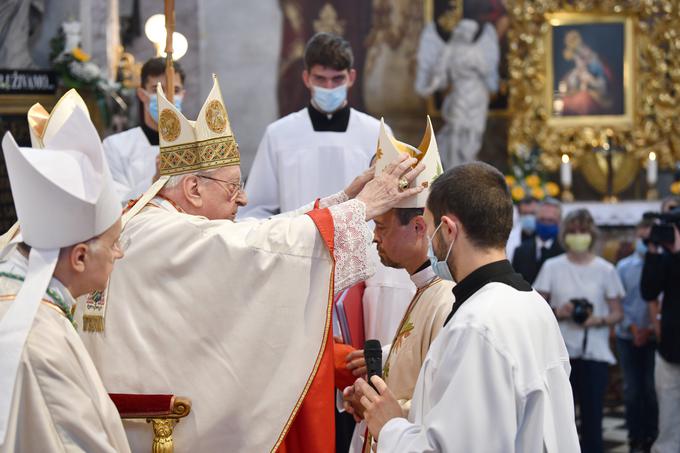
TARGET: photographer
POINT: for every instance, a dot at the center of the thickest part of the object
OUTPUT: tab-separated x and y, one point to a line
584	291
661	279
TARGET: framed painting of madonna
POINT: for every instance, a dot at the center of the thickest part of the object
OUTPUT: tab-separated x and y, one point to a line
595	79
589	66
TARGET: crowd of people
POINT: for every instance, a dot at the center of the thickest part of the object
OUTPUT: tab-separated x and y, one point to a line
235	300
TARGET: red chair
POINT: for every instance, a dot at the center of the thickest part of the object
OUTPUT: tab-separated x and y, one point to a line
162	411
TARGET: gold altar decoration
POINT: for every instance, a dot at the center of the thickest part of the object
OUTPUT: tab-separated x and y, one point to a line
651	87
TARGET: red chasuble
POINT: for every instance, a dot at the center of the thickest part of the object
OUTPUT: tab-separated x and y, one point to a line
313	426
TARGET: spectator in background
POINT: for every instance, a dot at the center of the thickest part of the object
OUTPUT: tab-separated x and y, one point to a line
566	282
669	203
636	344
132	154
527	208
532	253
661	274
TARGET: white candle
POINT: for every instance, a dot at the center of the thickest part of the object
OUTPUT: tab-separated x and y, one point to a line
652	169
565	171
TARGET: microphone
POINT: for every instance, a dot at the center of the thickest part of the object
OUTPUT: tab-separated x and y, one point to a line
373	356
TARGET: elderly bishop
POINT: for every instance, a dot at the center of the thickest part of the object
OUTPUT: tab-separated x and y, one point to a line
234	315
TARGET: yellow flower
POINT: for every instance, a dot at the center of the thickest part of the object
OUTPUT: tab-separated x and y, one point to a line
533	181
552	189
517	193
675	188
79	54
538	193
510	180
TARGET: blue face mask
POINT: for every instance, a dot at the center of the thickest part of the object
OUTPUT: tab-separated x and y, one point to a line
440	268
545	231
329	100
528	223
153	105
640	247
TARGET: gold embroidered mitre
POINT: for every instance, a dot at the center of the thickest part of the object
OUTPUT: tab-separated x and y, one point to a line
43	125
189	146
427	152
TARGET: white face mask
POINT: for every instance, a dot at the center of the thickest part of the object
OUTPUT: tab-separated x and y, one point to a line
329	100
440	268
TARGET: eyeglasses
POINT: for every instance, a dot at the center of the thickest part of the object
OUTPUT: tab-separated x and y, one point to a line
235	187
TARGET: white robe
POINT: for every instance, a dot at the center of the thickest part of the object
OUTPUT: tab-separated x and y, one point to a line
408	347
59	401
496	379
231	315
132	160
294	163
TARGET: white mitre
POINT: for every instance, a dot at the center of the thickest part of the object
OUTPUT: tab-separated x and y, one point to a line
43	125
63	195
427	152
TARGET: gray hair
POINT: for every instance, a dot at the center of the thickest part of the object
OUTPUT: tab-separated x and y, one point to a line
175	180
549	201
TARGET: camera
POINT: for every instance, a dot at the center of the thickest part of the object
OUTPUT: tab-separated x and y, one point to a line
663	232
582	310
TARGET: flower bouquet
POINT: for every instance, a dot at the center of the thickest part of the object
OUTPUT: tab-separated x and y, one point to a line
527	178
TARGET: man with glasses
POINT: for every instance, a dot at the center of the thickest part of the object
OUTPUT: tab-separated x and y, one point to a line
234	315
132	154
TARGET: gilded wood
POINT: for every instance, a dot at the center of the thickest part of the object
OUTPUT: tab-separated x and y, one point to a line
653	84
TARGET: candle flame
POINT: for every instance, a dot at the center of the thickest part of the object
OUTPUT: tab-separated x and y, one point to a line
652	156
565	158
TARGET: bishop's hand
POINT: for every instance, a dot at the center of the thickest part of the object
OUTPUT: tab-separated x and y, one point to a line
390	187
359	182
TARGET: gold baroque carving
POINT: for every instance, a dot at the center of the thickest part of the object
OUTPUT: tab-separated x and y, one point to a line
162	435
656	81
328	21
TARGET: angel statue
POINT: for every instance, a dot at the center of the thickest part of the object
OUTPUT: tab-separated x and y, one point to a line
468	64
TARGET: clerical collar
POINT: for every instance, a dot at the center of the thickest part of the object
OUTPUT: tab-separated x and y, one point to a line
161	201
329	122
498	271
423	276
151	135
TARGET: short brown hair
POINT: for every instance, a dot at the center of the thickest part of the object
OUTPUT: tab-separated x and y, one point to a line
330	51
405	215
478	195
583	219
155	67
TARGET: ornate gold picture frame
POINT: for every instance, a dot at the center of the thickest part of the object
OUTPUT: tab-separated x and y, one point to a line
651	83
589	68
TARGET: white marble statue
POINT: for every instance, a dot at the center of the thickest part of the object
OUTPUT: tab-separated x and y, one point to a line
71	34
18	19
468	64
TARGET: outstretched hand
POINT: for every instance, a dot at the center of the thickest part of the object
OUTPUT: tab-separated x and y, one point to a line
382	193
358	184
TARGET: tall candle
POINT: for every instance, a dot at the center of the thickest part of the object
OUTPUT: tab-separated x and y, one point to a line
652	169
565	171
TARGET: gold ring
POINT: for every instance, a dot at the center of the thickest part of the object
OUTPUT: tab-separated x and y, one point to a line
403	183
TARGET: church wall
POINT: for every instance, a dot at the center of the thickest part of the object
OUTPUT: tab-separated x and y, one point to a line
240	43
